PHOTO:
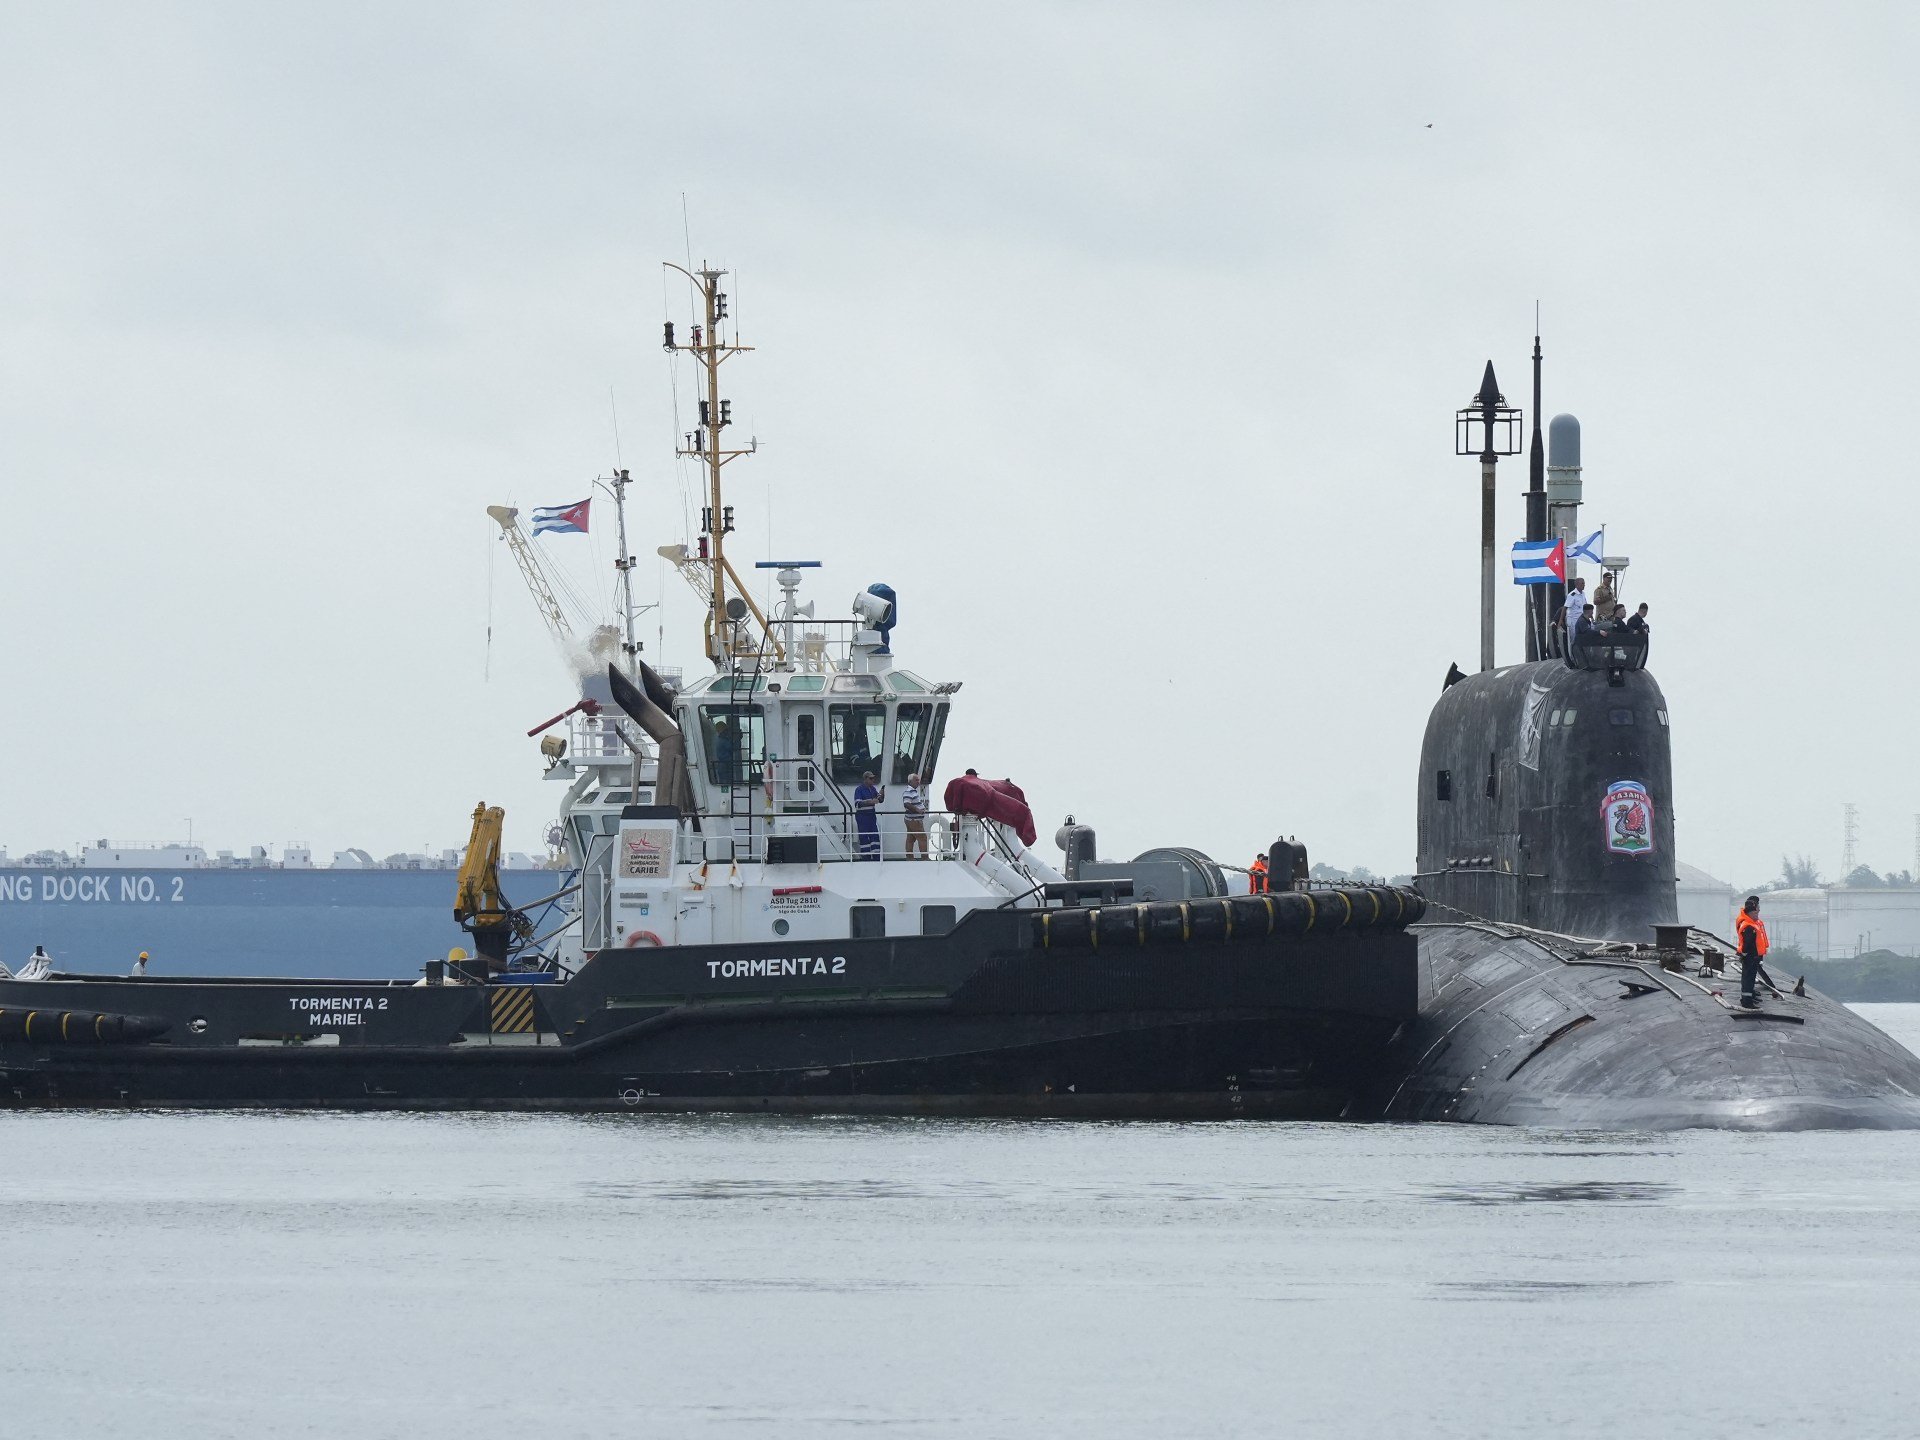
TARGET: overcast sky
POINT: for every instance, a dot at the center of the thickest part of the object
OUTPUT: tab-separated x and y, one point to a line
1124	341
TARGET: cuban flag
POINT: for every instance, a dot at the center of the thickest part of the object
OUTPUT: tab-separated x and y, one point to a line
562	519
1591	548
1539	562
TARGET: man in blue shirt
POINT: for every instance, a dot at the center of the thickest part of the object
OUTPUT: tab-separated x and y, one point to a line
866	815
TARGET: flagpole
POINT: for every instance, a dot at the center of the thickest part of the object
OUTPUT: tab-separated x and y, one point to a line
1537	599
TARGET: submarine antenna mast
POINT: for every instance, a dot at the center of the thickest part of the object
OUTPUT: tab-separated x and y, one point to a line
1489	428
710	570
1536	597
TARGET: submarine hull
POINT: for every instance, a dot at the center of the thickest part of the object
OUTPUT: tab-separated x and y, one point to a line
1521	1028
1092	1013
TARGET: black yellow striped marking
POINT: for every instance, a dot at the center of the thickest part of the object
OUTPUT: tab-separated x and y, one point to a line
512	1010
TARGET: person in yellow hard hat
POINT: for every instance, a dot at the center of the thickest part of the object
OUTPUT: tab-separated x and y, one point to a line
140	965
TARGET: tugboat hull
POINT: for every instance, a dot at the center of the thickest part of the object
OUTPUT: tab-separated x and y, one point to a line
987	1020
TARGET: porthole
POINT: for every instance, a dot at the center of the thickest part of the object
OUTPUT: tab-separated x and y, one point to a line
780	927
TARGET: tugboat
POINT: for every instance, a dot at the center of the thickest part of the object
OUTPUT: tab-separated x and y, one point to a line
773	914
1557	987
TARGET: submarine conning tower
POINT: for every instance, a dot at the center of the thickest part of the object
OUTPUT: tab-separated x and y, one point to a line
1546	788
1545	800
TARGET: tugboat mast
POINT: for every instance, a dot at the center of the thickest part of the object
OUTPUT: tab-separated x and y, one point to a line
710	569
629	645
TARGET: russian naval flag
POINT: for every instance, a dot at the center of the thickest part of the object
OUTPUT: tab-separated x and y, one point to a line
1539	562
562	519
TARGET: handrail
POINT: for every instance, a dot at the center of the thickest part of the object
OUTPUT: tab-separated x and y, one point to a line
1609	650
726	825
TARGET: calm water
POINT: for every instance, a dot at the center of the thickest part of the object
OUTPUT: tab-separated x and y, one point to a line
213	1276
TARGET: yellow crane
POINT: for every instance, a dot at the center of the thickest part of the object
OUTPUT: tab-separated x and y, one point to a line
479	904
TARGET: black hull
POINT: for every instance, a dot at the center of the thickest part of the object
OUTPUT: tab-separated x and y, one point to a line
988	1020
1522	1028
1117	1065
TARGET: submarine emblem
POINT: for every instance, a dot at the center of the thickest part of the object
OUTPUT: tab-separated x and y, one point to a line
1627	813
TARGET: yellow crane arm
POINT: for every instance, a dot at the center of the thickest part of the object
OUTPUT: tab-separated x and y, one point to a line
478	897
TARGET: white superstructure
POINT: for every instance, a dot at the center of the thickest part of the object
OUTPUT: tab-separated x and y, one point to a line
729	809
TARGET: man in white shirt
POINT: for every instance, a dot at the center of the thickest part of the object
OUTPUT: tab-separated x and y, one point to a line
913	804
1570	614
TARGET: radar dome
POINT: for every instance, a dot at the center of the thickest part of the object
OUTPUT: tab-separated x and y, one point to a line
1563	442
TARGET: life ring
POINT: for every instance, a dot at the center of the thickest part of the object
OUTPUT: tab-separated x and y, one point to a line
641	937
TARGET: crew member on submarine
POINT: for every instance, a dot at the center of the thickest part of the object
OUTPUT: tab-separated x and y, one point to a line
1753	949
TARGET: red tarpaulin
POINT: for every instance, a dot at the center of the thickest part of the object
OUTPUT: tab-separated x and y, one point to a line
1000	800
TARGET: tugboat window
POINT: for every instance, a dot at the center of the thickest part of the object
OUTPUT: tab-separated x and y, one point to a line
936	919
806	684
909	741
938	734
1443	785
734	740
867	922
780	927
856	739
803	734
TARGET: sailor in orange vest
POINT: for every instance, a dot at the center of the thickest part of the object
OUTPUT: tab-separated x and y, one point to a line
1257	876
1752	931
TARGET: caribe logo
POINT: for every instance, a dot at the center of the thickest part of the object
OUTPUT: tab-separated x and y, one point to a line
1627	817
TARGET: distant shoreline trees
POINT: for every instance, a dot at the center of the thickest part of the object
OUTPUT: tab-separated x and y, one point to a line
1799	872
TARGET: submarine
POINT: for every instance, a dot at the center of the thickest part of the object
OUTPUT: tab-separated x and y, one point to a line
1557	987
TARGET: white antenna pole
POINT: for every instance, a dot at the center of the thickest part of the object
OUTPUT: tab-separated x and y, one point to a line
625	566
